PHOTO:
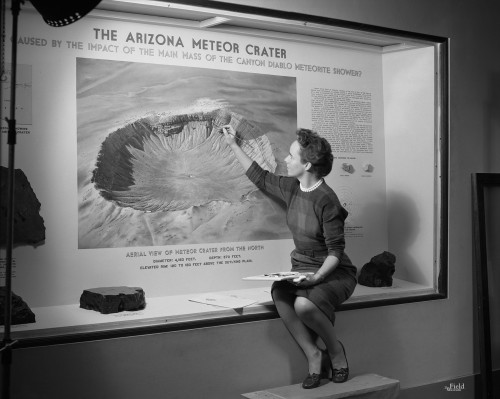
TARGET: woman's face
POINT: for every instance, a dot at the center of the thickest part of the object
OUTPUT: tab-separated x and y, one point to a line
293	162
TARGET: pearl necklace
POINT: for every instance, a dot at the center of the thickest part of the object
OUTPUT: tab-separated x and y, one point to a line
312	188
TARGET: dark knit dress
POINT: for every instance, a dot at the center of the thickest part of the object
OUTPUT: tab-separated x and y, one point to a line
316	220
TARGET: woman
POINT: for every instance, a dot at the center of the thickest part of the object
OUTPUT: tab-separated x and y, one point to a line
316	220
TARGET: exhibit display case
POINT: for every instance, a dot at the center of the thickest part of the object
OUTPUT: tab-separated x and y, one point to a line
129	183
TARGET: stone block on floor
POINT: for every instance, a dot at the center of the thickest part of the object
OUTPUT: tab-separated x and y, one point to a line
366	386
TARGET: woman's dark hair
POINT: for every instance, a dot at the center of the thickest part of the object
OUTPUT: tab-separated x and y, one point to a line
317	151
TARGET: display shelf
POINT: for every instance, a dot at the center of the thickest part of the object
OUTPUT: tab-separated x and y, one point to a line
70	322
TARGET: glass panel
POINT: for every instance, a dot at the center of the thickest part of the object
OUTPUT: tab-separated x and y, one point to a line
131	184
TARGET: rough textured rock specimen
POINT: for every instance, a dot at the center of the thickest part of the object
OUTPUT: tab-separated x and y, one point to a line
113	299
29	228
347	167
378	272
21	313
174	162
367	167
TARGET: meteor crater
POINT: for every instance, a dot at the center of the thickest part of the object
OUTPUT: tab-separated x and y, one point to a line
174	162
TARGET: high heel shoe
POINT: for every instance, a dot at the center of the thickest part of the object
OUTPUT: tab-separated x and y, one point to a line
342	374
312	381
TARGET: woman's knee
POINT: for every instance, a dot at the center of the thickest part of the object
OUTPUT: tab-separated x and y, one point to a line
304	308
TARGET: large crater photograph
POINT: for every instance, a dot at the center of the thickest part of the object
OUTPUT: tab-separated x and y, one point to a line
170	165
153	165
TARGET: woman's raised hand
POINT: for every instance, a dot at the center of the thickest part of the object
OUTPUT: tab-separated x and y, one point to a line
229	134
231	140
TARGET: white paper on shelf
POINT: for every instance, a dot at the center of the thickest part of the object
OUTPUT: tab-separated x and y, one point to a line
226	301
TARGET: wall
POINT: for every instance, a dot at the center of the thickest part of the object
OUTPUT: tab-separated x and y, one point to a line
418	344
410	168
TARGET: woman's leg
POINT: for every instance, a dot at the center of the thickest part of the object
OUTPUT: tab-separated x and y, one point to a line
316	320
303	335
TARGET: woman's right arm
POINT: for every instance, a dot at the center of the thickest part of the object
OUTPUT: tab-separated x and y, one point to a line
241	156
263	179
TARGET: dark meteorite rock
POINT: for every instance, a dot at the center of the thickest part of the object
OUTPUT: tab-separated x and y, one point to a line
29	228
378	272
113	299
21	313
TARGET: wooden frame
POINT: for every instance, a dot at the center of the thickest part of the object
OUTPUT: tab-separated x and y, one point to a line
481	182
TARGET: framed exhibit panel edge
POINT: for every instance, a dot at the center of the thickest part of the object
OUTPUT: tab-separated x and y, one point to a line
485	194
132	186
